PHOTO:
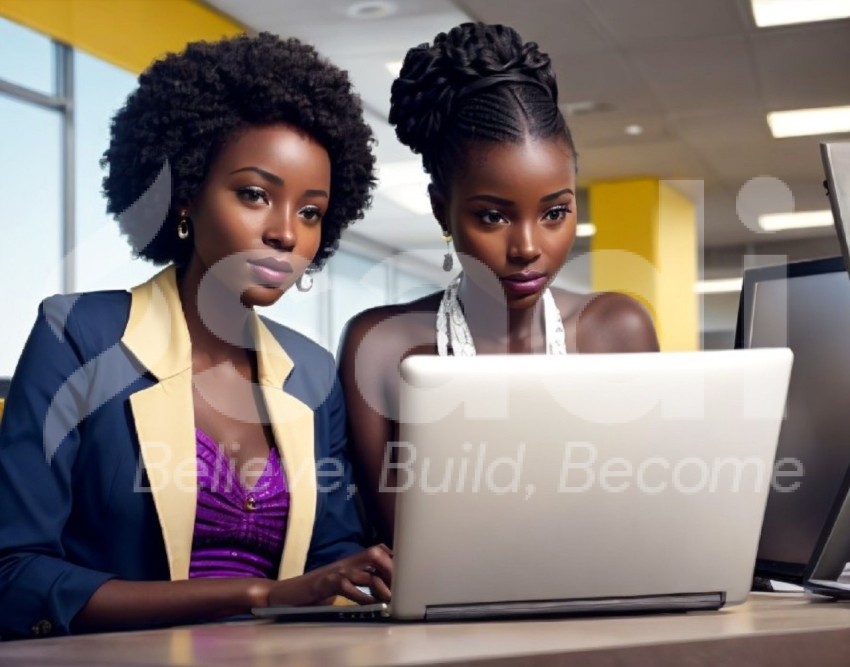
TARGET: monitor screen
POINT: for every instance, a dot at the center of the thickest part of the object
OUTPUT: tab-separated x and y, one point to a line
804	306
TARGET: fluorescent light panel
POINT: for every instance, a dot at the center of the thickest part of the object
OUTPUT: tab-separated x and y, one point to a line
776	222
718	286
784	12
806	122
585	229
406	184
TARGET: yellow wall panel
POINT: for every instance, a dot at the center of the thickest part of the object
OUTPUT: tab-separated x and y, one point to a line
646	246
624	246
127	33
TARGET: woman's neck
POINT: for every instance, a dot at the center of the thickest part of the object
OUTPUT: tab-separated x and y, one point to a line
495	327
215	317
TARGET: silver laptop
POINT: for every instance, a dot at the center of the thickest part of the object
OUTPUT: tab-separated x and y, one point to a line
533	485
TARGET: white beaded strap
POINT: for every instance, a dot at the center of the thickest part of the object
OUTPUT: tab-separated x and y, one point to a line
453	331
556	337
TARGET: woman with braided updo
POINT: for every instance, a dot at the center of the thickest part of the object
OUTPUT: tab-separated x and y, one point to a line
166	454
481	108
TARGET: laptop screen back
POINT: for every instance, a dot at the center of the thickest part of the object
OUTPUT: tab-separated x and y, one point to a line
805	306
585	476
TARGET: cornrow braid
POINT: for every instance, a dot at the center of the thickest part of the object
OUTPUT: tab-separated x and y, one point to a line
475	83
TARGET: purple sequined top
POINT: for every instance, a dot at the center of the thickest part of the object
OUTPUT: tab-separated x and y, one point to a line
238	532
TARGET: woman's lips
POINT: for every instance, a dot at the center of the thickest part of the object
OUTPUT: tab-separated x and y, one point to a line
524	283
270	272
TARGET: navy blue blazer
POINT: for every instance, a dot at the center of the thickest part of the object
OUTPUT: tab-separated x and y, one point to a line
97	444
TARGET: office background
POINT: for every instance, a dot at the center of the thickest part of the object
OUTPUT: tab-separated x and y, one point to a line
667	101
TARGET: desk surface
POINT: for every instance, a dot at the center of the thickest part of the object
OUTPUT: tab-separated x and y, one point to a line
770	629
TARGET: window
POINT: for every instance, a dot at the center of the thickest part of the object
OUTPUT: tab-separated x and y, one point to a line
357	283
103	256
30	219
26	58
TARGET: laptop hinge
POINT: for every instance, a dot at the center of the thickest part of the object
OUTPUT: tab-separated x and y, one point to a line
675	602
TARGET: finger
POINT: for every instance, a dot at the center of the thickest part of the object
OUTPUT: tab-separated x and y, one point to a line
349	590
384	547
380	590
360	576
382	562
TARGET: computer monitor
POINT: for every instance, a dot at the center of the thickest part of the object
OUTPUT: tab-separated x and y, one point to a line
836	167
806	306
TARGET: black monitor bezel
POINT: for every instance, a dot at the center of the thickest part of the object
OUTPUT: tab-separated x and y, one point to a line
795	573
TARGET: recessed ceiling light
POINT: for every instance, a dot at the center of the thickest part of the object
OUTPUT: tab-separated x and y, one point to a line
784	12
805	122
371	9
718	286
634	130
394	67
585	229
775	222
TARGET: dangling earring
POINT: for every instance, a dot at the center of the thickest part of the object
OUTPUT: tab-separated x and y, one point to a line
304	282
183	226
448	260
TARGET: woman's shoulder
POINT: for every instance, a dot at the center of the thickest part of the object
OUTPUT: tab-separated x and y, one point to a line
102	314
606	321
394	324
102	305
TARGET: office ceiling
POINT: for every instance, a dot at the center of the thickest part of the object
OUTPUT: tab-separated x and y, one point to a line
696	75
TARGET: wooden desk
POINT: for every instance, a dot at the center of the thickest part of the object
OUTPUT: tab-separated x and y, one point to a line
770	629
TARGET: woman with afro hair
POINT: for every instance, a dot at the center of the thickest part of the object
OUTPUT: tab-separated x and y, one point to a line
480	105
167	455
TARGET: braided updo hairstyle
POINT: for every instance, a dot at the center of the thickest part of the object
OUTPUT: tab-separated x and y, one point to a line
476	82
189	105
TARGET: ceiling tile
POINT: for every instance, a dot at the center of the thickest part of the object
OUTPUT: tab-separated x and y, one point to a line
785	159
728	126
609	129
703	73
565	26
632	22
662	160
606	78
804	66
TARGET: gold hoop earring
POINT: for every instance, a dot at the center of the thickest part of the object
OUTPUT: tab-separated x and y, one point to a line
183	229
448	260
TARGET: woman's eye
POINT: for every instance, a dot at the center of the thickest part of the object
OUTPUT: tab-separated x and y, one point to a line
253	195
557	213
491	217
311	213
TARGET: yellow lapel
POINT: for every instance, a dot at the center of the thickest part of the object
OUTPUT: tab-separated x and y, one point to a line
292	425
157	336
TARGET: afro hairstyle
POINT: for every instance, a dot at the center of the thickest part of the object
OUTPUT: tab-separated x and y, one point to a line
189	104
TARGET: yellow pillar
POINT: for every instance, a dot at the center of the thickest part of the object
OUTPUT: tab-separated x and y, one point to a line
127	33
646	246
